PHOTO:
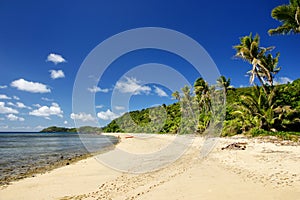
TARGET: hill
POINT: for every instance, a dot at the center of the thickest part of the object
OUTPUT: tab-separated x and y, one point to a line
274	113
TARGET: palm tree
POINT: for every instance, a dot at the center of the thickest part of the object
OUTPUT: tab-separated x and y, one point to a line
202	92
176	95
289	15
249	50
260	110
271	68
224	83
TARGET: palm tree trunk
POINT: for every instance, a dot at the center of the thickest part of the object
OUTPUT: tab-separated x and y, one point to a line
261	81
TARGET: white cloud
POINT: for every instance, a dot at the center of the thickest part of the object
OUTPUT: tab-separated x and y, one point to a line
30	86
11	104
6	110
13	117
39	127
119	107
95	89
108	115
4	96
1	119
55	74
46	111
4	127
46	99
132	85
65	122
3	86
283	80
160	92
16	98
21	105
55	58
82	117
37	105
99	106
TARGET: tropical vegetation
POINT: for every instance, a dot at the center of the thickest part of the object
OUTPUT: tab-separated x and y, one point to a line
264	108
289	16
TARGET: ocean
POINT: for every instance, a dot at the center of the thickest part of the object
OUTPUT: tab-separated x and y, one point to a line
24	154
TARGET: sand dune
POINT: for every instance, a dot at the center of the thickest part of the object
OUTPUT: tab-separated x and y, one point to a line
263	170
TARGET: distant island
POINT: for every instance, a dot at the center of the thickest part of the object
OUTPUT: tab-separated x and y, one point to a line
83	129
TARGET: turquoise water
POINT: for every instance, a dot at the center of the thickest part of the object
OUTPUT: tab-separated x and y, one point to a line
21	152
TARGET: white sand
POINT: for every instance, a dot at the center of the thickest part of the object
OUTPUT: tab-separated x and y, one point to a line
262	171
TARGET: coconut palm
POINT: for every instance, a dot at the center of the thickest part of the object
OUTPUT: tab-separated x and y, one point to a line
271	68
224	83
202	93
289	15
260	110
250	51
176	95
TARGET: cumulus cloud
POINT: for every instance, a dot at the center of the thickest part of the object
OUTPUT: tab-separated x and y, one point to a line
65	122
82	117
283	80
95	89
16	98
132	85
46	111
55	74
3	86
19	105
160	92
13	117
37	105
11	104
107	115
7	110
119	107
30	86
55	58
4	96
22	105
99	106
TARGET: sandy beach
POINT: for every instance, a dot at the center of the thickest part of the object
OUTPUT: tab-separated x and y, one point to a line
263	170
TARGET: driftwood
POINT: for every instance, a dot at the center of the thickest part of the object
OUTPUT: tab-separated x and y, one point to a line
236	146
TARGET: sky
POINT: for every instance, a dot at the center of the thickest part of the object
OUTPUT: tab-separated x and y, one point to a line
44	44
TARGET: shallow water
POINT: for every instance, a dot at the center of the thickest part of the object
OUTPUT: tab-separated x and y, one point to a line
22	153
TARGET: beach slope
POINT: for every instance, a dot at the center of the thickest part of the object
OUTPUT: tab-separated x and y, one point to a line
263	170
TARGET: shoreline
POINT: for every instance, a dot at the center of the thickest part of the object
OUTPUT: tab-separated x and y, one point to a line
61	161
268	168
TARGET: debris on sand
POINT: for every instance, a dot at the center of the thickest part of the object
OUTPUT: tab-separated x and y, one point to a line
236	146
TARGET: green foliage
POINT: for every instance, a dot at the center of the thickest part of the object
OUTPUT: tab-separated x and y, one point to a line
264	66
289	16
161	119
54	129
248	110
83	129
89	129
284	135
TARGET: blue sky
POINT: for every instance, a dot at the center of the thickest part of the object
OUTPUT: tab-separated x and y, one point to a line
44	43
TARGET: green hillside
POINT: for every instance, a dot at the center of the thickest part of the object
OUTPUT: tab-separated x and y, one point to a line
248	110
